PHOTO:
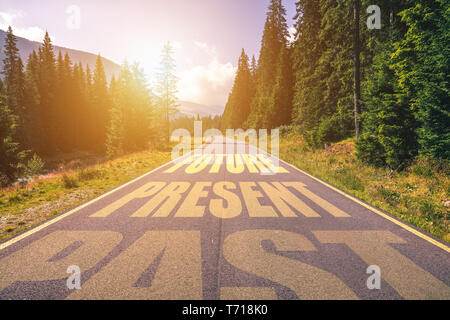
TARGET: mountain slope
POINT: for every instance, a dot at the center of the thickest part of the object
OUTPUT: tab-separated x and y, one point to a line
191	109
26	47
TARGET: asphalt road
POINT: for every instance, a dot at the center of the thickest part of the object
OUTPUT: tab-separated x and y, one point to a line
232	225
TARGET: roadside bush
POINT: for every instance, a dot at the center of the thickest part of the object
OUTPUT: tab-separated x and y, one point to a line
287	130
89	174
69	182
4	180
34	166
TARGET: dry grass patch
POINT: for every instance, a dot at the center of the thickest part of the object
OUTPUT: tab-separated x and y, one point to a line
418	195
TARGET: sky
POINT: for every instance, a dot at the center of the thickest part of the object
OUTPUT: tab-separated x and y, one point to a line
208	35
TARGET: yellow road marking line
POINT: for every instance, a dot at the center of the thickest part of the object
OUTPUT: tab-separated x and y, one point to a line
380	213
59	218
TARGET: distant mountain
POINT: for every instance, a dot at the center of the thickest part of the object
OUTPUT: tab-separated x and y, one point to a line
26	47
191	109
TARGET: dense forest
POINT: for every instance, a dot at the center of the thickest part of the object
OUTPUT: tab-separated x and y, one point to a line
187	123
308	84
50	107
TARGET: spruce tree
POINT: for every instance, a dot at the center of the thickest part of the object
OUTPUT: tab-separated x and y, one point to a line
423	68
324	64
62	110
32	117
10	156
47	85
282	95
238	106
388	126
115	134
274	38
132	115
14	83
100	105
254	68
166	88
388	137
11	70
309	85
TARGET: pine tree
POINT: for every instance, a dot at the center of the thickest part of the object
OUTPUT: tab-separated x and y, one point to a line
324	64
274	38
132	115
388	137
100	104
11	70
423	68
10	157
115	137
142	126
14	83
115	134
254	68
309	85
167	88
81	118
282	95
31	118
388	126
62	110
238	106
47	85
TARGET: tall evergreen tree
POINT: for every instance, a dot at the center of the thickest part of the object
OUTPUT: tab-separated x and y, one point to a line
14	83
274	38
388	126
324	64
166	88
81	118
253	68
115	135
280	112
10	156
11	70
237	109
47	85
388	136
62	109
131	125
32	117
309	87
423	68
100	104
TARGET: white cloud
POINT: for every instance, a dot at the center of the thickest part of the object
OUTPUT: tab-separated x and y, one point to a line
208	84
292	34
13	19
211	51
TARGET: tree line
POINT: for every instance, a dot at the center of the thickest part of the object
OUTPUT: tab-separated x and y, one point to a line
186	122
308	83
51	106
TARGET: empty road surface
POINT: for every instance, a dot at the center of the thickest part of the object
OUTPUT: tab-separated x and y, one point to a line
225	224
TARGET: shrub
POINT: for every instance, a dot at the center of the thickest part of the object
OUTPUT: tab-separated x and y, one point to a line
4	180
69	182
370	151
34	166
89	174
